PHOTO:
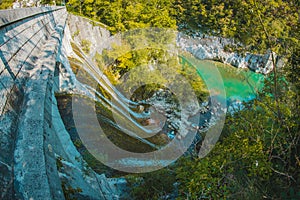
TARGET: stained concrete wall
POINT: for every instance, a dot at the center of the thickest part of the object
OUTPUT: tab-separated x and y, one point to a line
86	29
37	157
24	34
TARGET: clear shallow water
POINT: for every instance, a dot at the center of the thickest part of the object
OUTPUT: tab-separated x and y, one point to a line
239	84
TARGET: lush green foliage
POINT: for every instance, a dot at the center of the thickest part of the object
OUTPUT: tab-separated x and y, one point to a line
5	4
51	2
86	46
153	61
123	15
256	157
245	20
152	185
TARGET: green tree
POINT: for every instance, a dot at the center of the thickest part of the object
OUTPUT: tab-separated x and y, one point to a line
5	4
123	15
152	185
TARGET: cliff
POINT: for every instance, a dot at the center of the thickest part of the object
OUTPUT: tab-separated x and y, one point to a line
214	48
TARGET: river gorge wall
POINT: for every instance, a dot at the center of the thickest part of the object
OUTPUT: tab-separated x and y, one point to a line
214	48
203	47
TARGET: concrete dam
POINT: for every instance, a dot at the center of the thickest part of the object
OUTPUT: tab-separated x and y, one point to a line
33	140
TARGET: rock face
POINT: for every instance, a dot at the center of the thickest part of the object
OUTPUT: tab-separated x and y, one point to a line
213	48
83	29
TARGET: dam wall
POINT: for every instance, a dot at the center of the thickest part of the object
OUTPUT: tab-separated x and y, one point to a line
23	35
38	159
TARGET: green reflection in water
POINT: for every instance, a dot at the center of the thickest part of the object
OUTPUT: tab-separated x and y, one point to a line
239	84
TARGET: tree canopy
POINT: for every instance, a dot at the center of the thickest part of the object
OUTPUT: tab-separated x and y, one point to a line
122	15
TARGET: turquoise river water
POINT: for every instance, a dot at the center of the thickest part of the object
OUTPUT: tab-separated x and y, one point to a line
239	84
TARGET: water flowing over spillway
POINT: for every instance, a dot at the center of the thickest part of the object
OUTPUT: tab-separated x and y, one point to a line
128	117
120	105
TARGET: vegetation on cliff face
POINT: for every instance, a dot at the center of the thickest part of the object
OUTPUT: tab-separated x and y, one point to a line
258	154
6	4
122	15
164	66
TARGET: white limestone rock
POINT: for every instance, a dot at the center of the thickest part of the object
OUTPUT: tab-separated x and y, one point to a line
213	48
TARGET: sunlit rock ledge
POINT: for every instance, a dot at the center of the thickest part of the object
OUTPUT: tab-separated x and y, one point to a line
213	48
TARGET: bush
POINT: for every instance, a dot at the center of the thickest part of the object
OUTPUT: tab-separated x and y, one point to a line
153	185
86	46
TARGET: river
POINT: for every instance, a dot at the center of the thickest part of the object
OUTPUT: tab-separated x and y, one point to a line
239	84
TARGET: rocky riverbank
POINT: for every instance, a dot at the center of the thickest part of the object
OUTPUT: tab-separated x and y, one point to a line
215	48
163	102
